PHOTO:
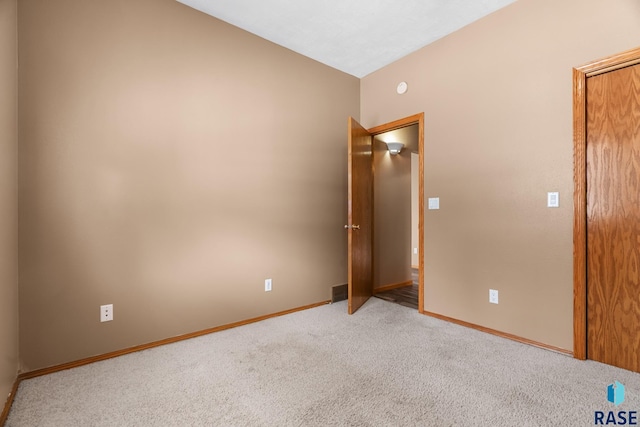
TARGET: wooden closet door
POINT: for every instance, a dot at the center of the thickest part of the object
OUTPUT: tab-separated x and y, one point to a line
613	218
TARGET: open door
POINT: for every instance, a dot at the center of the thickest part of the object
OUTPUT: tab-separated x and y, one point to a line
360	212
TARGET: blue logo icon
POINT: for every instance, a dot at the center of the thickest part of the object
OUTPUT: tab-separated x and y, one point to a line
615	393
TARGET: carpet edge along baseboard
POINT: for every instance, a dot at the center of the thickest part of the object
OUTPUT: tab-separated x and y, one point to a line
498	333
110	355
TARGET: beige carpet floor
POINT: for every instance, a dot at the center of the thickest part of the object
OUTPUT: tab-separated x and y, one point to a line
386	365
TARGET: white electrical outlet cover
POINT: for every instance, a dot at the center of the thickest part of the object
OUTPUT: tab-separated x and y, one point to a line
106	313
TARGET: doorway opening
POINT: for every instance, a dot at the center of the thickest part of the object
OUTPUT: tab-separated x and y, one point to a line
361	213
395	216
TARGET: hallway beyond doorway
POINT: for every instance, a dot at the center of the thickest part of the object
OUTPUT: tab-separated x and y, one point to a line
407	295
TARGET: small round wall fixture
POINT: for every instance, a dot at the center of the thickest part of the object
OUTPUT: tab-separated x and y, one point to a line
402	88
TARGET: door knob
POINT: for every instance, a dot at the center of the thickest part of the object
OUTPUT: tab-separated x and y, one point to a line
353	227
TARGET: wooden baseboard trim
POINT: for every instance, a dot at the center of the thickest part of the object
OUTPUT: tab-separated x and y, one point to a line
9	402
499	333
111	355
390	287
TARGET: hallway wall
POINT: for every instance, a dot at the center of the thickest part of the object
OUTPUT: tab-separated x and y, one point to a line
392	207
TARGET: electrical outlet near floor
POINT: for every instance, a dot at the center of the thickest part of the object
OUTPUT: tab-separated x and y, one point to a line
106	313
267	285
493	296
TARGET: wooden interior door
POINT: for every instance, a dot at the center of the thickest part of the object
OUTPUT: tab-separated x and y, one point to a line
613	217
360	215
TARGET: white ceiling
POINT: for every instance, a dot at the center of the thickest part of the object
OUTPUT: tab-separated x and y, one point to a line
354	36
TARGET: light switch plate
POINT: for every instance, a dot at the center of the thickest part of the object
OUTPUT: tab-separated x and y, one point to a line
553	199
434	203
493	296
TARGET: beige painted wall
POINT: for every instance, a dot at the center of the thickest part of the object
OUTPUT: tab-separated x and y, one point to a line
497	98
169	164
392	207
8	196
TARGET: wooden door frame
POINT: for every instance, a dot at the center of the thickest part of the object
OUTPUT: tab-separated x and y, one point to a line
397	124
580	76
